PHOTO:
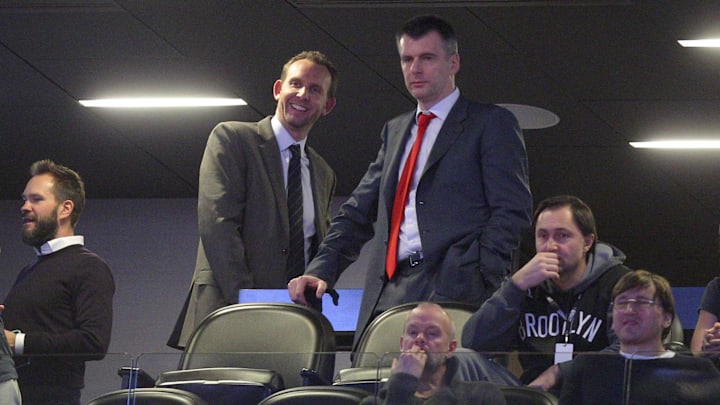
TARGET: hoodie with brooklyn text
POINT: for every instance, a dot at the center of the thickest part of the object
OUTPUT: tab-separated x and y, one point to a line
534	321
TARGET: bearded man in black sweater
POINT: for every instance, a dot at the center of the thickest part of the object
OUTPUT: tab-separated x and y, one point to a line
62	303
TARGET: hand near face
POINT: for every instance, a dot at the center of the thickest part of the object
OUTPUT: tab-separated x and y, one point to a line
711	343
411	361
545	265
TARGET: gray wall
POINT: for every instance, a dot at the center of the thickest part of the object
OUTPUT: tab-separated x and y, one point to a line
150	246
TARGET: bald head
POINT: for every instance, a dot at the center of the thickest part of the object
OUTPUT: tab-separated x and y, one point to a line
429	329
436	312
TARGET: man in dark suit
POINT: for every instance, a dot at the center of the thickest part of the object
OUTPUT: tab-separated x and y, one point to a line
468	203
243	204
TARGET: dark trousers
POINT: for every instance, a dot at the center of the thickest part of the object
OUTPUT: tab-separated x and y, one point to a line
410	284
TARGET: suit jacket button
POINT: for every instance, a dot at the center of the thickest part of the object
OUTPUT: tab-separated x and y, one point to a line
285	251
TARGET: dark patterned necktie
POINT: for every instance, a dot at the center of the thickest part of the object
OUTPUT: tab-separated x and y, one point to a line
296	249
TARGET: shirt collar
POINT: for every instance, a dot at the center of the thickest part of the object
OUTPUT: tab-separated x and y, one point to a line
54	245
634	356
442	108
284	139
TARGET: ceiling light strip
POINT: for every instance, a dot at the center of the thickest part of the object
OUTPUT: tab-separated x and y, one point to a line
678	144
700	43
149	102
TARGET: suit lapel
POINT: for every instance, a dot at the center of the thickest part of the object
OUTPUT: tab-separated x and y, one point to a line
451	129
270	154
397	137
317	178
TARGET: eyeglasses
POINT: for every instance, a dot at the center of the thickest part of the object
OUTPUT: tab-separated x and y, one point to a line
634	303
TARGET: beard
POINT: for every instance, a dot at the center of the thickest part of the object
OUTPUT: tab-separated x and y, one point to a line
434	361
45	229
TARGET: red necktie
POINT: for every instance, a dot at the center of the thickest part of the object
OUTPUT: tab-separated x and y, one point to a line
401	195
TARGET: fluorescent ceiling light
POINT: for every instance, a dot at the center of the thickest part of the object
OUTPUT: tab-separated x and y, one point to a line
701	43
678	144
162	102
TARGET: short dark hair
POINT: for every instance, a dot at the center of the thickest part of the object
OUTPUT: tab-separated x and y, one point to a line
646	279
581	212
420	26
320	59
67	186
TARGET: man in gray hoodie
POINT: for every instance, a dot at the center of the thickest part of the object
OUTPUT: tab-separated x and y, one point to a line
556	304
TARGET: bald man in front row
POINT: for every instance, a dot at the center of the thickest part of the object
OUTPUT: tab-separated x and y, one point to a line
426	370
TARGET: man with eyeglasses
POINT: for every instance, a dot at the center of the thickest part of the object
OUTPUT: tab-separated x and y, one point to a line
557	303
643	372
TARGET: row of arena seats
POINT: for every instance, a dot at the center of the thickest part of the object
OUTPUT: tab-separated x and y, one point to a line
261	352
315	395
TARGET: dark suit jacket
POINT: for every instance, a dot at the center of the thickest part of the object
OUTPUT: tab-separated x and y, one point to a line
473	203
243	221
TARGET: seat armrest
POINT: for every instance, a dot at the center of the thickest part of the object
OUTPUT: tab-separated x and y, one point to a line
269	378
363	374
135	377
311	377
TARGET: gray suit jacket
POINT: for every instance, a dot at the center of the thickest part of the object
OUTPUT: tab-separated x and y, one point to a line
473	203
243	221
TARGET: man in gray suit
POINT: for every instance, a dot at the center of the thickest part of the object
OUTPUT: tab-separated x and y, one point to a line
468	203
242	202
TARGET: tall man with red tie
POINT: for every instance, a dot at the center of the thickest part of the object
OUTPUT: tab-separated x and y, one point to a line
467	202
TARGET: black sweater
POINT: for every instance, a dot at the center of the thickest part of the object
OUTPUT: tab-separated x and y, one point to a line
612	379
63	304
401	387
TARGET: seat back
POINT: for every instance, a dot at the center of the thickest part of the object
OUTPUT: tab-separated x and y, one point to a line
523	395
675	340
224	385
148	396
316	395
282	337
383	334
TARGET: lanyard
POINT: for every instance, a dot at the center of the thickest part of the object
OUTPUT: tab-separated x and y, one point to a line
569	319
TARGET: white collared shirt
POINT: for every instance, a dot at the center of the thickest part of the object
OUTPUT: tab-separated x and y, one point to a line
54	245
285	140
667	354
409	241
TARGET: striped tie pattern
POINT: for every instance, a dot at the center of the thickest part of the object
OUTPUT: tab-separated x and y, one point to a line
296	248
